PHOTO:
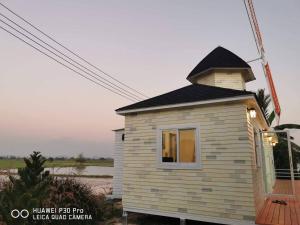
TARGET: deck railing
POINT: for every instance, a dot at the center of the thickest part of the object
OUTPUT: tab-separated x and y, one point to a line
286	174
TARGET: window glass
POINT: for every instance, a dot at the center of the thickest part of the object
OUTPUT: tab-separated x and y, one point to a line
187	148
169	146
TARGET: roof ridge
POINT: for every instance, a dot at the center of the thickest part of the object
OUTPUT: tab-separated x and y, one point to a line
189	93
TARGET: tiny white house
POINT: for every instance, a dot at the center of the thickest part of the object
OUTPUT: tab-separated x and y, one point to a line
195	153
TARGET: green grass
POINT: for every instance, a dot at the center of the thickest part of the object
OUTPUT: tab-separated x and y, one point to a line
19	163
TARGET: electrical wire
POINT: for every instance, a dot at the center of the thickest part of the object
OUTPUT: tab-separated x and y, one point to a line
252	29
44	53
253	60
124	93
117	87
72	52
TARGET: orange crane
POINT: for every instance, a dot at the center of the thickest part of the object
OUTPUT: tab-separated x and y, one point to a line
266	67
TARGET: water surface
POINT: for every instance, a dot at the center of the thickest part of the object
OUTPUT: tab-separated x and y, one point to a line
80	170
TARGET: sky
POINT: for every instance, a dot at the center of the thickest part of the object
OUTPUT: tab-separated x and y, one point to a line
149	45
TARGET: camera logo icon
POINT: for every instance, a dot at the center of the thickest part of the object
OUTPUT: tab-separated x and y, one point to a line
15	213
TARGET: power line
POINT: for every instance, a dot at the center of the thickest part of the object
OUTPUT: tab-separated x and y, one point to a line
66	60
132	98
44	53
255	24
118	87
260	48
72	52
253	60
252	29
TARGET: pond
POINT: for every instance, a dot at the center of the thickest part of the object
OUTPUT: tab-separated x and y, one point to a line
83	170
80	170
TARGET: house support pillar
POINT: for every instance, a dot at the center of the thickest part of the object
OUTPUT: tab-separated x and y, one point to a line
124	218
182	221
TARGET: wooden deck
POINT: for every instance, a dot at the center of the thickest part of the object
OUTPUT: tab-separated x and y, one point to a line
284	187
278	214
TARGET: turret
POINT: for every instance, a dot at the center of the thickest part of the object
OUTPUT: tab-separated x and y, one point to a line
222	68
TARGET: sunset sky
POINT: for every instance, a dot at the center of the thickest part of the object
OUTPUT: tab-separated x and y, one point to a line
150	45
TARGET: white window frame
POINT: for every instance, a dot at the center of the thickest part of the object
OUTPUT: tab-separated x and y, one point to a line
178	165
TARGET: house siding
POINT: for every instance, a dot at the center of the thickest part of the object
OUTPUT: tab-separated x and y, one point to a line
222	188
257	167
208	79
118	164
233	80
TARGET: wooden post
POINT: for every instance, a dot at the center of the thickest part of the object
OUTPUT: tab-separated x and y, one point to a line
182	221
124	218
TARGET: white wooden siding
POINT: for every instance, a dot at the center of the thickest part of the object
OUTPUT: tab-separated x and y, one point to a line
258	184
233	80
118	165
230	80
208	79
223	188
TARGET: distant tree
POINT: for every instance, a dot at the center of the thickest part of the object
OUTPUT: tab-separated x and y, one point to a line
60	158
80	158
50	159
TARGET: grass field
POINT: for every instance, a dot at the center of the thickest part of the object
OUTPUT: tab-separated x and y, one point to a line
19	163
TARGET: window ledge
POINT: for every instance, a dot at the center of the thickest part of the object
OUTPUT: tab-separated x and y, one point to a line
179	166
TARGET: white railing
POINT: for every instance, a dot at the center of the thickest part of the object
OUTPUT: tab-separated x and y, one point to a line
286	173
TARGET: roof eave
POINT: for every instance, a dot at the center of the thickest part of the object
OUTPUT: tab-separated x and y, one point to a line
120	129
186	104
248	75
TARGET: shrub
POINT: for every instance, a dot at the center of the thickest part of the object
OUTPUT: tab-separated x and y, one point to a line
35	188
69	193
26	192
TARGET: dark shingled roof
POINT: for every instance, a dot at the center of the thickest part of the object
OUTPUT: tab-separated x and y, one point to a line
188	94
220	58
